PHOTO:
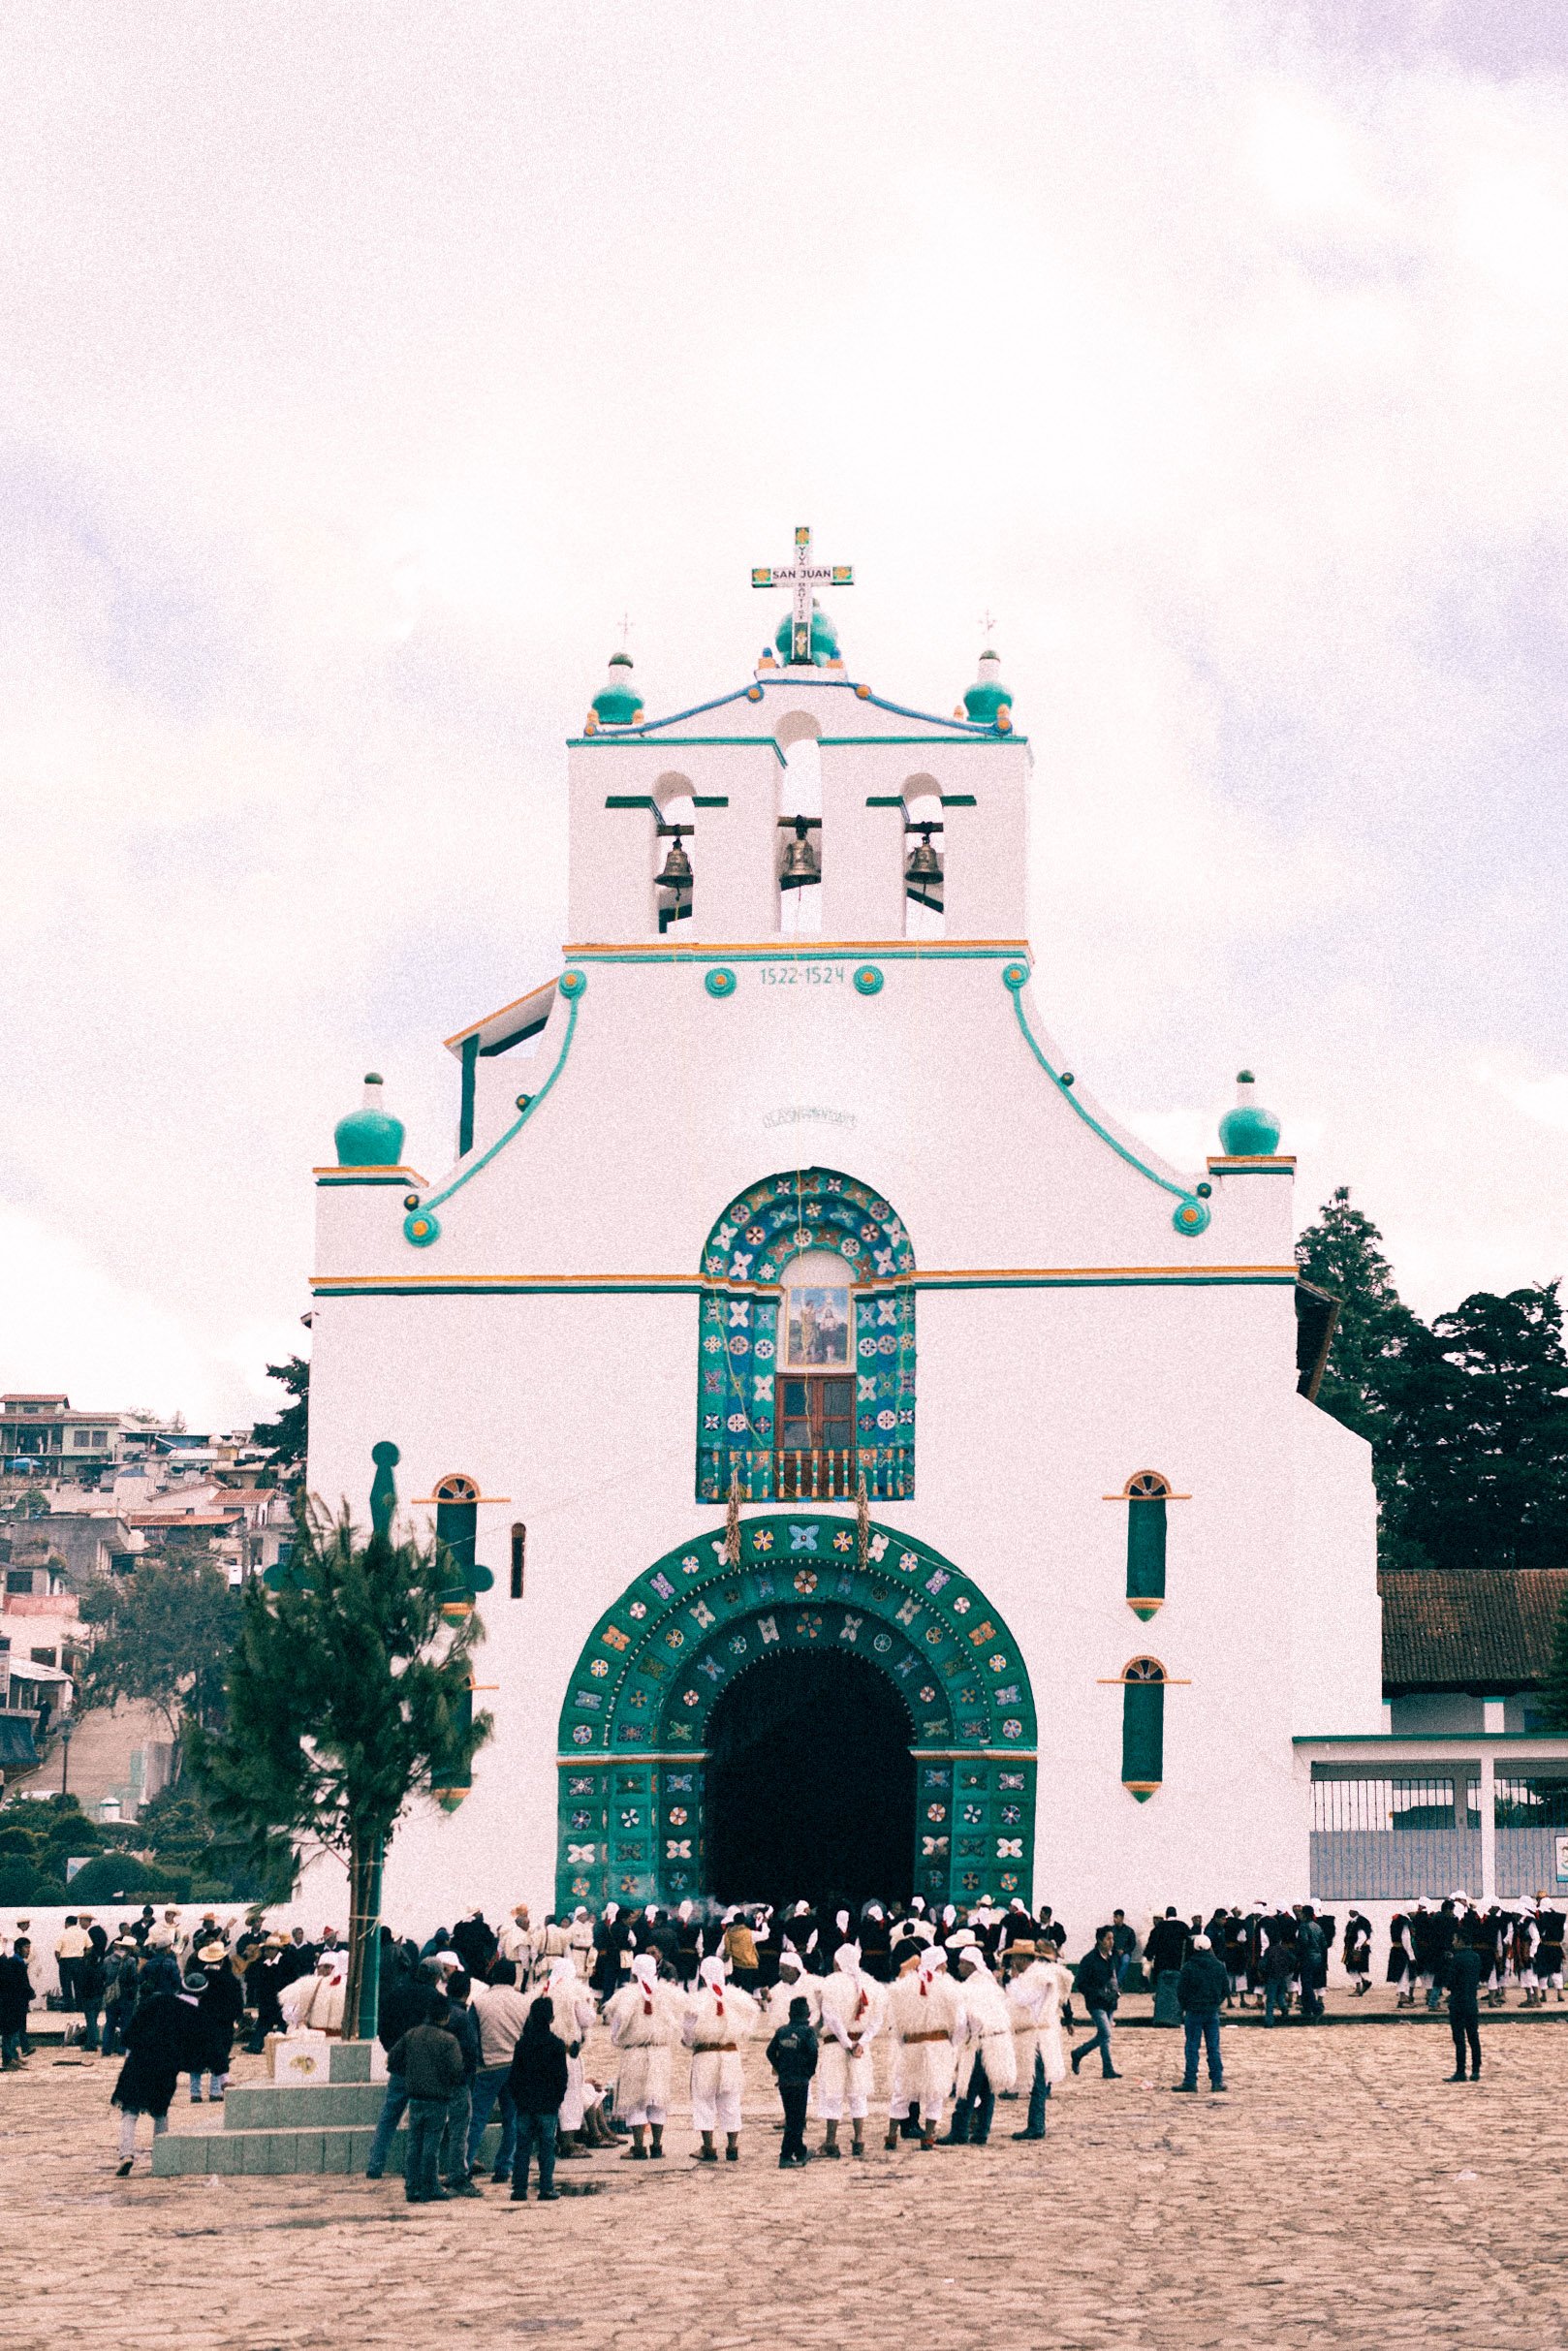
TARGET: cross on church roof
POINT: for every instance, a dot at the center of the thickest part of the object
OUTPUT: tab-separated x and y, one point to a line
800	576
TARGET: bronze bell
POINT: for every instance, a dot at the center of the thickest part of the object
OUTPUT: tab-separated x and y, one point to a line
924	868
677	872
801	865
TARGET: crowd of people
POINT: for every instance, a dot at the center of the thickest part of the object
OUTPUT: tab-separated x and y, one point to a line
967	2005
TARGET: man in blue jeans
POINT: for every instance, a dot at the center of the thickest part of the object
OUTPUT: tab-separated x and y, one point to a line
1202	1989
502	2011
403	2003
431	2064
1097	1982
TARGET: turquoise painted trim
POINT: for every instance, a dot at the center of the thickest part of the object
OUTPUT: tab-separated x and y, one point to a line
868	980
960	800
573	997
1107	1281
465	1113
477	1286
710	800
1253	1167
977	735
651	725
953	729
720	981
1181	1192
633	800
329	1182
515	1035
787	950
743	743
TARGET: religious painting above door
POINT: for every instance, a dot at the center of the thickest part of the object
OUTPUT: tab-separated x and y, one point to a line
807	1273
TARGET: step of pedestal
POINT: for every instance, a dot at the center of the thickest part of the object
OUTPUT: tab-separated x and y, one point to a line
354	2061
275	2106
177	2154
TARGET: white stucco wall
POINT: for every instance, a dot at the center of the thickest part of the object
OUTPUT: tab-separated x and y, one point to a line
1068	1336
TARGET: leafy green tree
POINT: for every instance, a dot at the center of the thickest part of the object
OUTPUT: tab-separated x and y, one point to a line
350	1692
289	1434
166	1633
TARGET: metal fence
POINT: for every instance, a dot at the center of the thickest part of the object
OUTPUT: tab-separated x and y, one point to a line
1385	1839
1395	1839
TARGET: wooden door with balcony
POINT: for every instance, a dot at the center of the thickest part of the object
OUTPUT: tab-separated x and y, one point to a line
815	1437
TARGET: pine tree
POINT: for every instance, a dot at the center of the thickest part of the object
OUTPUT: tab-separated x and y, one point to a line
289	1436
1377	1339
1484	1410
1553	1693
349	1693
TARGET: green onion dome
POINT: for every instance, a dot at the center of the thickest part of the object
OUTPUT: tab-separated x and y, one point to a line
369	1137
619	703
988	703
1248	1131
824	637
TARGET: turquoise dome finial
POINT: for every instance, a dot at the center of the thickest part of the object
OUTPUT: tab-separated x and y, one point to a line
618	702
1248	1131
988	703
824	638
369	1137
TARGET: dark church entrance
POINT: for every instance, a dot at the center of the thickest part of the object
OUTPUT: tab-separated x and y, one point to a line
811	1784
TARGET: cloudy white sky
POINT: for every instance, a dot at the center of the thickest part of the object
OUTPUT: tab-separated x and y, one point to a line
360	365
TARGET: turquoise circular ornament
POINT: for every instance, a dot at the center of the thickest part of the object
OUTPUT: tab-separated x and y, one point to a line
824	637
573	983
868	980
720	981
422	1228
1014	976
1191	1217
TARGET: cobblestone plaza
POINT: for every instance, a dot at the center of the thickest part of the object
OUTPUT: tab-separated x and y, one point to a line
1342	2192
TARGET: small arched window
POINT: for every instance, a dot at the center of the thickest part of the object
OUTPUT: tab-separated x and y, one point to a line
457	1522
1148	1493
1142	1727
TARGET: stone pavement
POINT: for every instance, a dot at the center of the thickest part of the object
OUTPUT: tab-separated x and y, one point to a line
1343	2193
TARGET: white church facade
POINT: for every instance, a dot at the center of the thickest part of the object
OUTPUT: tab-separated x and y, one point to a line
871	1464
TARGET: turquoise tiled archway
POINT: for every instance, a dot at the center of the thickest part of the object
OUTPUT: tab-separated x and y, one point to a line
633	1730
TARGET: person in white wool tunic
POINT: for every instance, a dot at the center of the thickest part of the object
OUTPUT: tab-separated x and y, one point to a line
793	1983
645	2018
925	2015
851	2018
718	2019
1038	2000
570	2022
987	2062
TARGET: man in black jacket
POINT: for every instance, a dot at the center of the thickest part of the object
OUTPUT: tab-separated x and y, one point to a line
1097	1982
428	2059
1463	1969
1201	1988
15	1999
1164	1950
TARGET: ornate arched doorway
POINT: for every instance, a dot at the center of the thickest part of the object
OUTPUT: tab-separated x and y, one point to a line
647	1701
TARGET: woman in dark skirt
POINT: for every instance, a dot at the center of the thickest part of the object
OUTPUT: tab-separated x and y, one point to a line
159	2042
218	2012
